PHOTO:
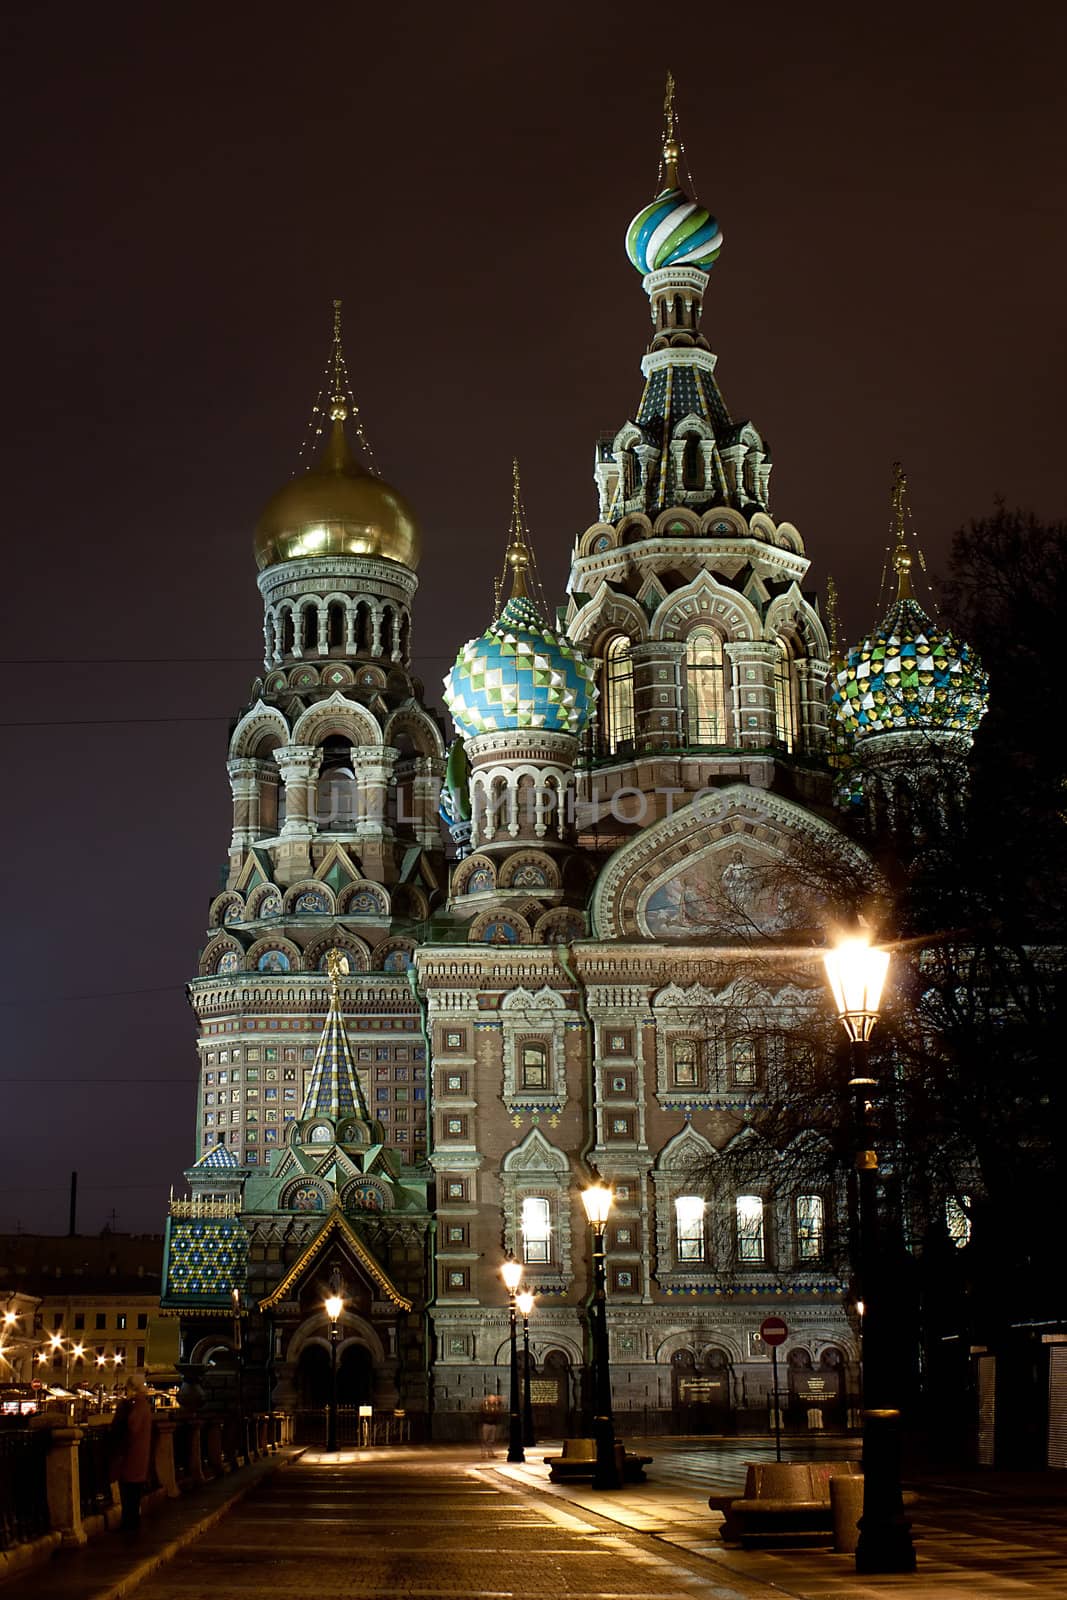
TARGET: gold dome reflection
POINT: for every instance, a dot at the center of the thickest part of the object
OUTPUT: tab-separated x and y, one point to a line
337	509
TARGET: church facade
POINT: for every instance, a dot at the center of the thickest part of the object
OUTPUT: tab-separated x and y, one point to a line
453	980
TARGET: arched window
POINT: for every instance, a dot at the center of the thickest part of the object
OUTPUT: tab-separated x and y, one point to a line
684	1064
692	464
689	1228
309	628
810	1226
288	633
785	697
536	1231
336	629
618	693
750	1244
704	687
336	788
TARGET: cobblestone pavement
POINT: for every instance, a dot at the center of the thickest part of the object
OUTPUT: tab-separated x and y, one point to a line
417	1523
443	1523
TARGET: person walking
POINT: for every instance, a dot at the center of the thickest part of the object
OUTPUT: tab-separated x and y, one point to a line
132	1433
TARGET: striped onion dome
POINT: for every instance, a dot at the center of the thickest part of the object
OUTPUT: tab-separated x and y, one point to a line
519	674
910	675
673	231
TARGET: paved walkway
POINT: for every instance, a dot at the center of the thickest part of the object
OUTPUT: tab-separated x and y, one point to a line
440	1522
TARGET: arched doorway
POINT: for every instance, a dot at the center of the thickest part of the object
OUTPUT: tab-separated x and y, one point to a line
313	1377
552	1397
355	1376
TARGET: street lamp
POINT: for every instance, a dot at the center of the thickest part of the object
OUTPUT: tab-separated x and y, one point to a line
597	1201
857	973
334	1305
511	1272
525	1303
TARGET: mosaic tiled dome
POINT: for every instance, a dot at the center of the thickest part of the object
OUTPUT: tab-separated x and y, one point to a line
519	674
673	231
910	675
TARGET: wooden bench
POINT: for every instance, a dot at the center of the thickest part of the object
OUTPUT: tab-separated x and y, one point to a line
784	1503
578	1460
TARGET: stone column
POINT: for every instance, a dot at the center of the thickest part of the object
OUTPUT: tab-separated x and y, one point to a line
812	693
543	812
659	722
373	767
299	766
752	664
63	1483
244	786
425	798
163	1455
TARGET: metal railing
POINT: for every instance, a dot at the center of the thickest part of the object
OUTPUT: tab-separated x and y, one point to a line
23	1485
383	1428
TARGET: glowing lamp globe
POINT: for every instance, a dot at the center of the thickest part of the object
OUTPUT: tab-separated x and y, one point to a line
597	1200
857	972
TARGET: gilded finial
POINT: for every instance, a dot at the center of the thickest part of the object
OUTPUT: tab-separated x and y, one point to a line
902	560
518	553
338	408
671	148
336	969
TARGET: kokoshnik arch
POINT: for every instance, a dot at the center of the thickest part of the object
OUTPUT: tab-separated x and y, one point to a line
420	1034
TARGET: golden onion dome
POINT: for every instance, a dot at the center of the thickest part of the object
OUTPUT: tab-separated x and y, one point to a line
337	508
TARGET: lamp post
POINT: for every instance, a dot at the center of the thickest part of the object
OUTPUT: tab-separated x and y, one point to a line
334	1305
511	1272
525	1303
857	973
597	1202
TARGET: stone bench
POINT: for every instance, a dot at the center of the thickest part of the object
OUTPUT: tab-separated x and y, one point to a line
784	1503
578	1460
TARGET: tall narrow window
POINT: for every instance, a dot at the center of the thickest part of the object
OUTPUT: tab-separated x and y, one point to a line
704	687
743	1063
534	1066
810	1227
618	693
536	1231
958	1220
785	697
689	1227
750	1245
684	1063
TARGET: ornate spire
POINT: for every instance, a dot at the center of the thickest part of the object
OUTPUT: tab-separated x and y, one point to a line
518	556
334	1090
335	401
902	558
672	151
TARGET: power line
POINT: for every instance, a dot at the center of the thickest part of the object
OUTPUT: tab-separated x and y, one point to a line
92	994
107	722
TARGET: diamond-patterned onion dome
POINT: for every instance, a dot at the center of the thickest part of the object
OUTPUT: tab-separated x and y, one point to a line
673	231
519	674
910	675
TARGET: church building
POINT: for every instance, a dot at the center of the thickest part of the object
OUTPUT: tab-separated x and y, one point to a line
453	979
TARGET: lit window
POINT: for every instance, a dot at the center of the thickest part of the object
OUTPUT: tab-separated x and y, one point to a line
743	1062
958	1220
618	700
689	1224
704	687
785	696
684	1063
809	1227
534	1066
536	1230
749	1228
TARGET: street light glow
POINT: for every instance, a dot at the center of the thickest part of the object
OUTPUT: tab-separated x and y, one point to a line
857	973
334	1306
597	1200
525	1302
511	1272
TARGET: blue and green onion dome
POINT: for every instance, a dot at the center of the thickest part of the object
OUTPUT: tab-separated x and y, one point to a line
910	675
519	674
673	231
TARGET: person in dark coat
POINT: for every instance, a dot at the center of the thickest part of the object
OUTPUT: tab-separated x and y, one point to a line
132	1432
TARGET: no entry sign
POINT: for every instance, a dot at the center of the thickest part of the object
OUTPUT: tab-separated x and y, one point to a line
773	1331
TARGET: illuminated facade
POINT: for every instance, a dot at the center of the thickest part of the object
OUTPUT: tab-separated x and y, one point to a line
413	1058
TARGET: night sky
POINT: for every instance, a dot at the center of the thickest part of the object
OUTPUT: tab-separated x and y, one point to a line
188	188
